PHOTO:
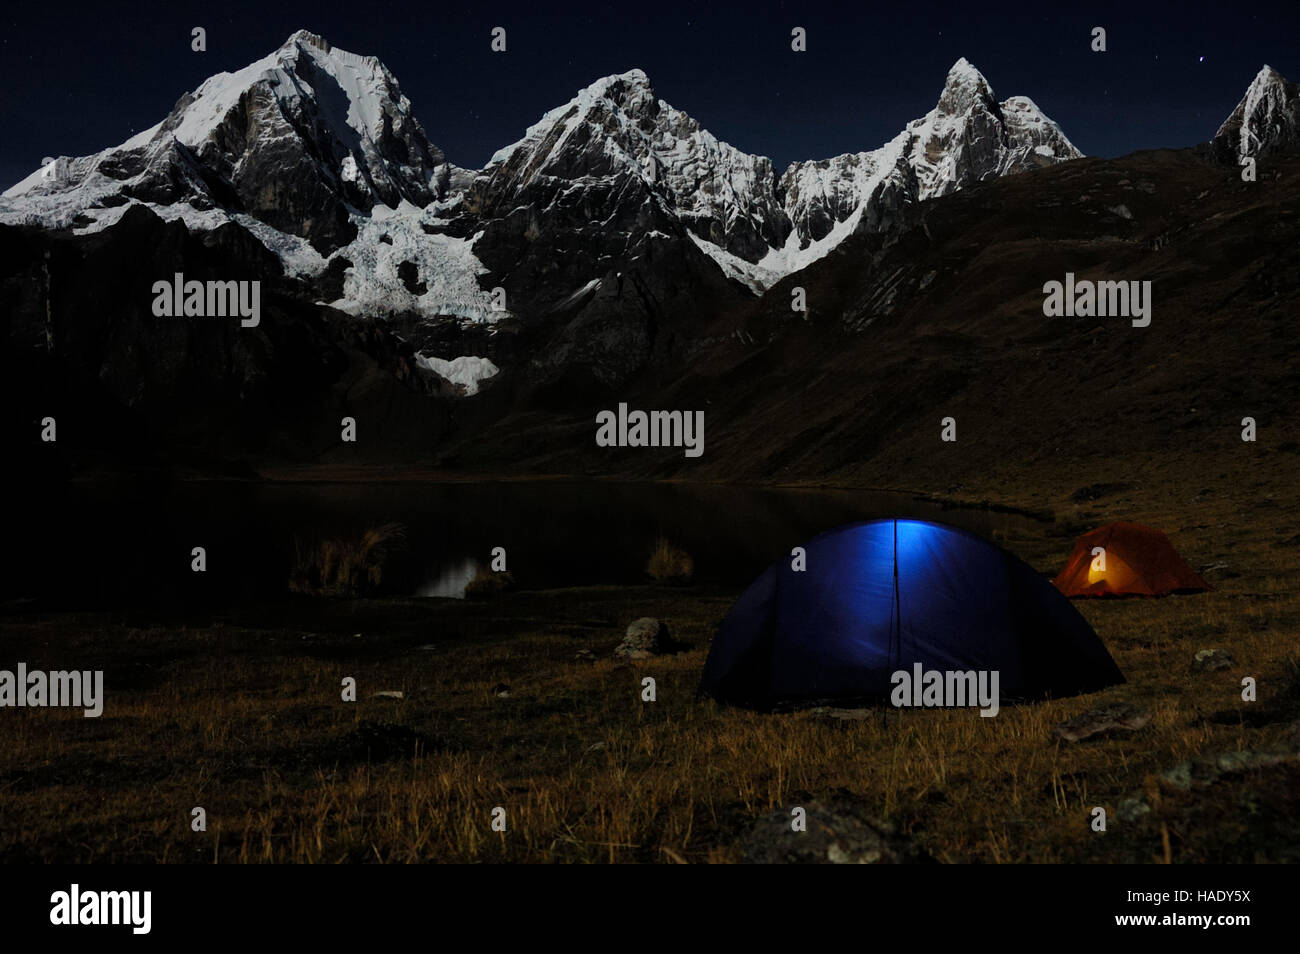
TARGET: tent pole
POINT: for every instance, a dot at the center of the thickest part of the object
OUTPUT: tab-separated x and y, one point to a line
896	620
898	603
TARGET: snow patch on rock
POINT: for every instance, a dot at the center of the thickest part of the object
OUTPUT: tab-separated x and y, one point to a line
467	371
446	265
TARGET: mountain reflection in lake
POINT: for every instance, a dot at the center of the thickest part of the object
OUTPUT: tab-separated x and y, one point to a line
450	579
128	543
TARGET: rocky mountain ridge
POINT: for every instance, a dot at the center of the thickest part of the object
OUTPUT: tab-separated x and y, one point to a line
311	146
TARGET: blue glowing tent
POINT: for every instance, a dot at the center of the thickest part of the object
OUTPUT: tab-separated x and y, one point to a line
877	597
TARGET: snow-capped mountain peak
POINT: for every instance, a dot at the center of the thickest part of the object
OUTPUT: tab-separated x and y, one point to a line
1267	118
964	88
968	137
617	128
606	103
318	153
294	139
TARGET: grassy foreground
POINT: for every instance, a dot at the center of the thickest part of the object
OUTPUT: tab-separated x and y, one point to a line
242	714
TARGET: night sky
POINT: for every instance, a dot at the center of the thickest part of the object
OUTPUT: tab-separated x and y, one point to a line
78	78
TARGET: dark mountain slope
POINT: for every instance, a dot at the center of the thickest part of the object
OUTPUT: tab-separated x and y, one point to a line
941	317
944	318
82	345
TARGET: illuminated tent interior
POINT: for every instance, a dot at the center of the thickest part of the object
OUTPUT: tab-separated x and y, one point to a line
877	597
1126	559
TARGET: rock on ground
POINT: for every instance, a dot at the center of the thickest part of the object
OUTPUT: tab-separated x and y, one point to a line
645	637
1212	660
1103	721
834	835
1207	769
833	713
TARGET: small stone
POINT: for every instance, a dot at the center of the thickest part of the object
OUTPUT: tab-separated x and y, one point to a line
843	715
1212	660
1106	720
1131	809
835	834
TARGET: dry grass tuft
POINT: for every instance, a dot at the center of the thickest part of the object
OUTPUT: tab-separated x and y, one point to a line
669	563
344	567
487	583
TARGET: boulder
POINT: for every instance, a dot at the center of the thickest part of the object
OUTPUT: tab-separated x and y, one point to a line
645	637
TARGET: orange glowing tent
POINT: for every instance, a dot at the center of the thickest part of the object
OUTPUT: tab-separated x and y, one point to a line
1126	559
